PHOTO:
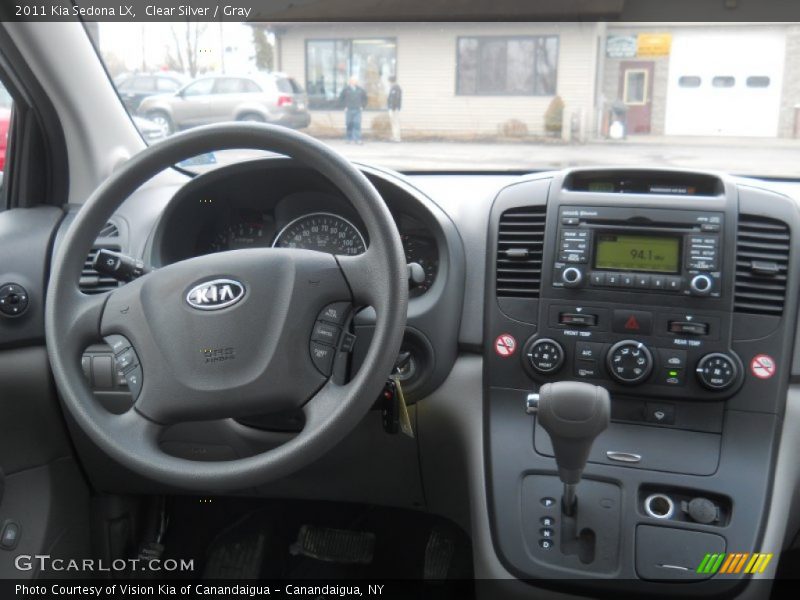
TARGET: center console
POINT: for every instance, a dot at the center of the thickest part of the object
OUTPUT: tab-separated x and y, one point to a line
672	291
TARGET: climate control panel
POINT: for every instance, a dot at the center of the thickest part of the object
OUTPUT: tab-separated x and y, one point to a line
629	363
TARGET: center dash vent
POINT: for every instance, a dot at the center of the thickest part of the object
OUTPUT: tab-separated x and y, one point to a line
520	243
93	282
762	265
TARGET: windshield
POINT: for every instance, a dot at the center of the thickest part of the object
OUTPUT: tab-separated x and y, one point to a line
478	96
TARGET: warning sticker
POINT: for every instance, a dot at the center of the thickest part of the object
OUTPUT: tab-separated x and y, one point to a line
763	366
505	345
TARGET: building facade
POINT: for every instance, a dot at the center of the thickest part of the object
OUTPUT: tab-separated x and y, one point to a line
470	80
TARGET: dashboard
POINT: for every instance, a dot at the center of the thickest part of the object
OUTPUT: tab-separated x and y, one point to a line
233	209
672	289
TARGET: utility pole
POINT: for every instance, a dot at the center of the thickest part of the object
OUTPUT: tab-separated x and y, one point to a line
221	48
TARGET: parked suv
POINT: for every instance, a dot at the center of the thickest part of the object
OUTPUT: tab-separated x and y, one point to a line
135	87
267	98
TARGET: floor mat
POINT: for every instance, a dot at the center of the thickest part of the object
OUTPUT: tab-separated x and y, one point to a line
254	538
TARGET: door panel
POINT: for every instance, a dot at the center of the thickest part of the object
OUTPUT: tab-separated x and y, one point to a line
44	491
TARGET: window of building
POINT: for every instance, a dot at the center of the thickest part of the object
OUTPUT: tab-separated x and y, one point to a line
498	66
635	90
725	81
757	81
689	81
331	63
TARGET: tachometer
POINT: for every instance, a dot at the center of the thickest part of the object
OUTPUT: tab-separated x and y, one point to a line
324	232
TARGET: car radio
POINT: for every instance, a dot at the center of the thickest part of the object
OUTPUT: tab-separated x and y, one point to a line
644	250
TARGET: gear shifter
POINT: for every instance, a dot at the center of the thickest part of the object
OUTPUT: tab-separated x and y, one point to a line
573	414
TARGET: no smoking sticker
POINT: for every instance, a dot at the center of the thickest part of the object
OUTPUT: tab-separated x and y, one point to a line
763	366
505	345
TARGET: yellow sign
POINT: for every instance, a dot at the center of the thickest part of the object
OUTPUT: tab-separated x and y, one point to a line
653	44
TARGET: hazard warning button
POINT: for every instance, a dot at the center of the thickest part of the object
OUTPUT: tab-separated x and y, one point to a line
632	322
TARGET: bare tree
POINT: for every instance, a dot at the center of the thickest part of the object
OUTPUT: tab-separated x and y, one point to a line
187	53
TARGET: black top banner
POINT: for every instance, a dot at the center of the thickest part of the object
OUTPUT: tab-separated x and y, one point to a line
405	10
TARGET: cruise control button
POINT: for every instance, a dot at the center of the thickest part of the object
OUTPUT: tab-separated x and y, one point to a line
335	313
134	381
322	357
326	333
126	359
118	343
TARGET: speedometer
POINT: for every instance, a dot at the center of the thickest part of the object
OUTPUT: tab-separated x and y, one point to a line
324	232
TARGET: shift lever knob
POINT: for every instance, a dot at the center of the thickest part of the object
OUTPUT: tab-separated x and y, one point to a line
573	414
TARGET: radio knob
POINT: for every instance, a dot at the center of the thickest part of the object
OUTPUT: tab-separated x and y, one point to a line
717	371
571	277
629	362
701	285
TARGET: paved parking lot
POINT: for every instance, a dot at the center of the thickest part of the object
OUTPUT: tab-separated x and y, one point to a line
765	157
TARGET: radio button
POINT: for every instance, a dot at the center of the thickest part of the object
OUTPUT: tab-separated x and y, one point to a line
626	280
642	281
674	284
571	277
709	227
569	220
597	278
701	285
612	279
632	321
658	282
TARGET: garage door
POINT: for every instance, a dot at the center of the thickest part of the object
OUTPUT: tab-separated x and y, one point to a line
725	83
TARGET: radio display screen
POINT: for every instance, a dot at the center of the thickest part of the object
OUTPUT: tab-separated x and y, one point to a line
652	254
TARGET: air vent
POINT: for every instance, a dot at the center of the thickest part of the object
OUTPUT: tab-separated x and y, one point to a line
520	242
109	230
91	281
762	265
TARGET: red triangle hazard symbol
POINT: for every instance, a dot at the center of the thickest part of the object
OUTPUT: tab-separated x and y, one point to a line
632	323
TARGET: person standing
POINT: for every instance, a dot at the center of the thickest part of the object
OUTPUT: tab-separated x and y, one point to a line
395	103
354	100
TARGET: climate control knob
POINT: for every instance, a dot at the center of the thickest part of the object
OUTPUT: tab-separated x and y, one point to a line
717	371
571	277
545	356
629	362
701	285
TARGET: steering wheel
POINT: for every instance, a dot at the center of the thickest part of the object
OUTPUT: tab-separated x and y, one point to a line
227	335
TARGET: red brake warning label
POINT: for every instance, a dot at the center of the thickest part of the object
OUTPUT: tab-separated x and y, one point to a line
505	345
763	366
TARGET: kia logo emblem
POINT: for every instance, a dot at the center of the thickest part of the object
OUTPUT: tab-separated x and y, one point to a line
216	294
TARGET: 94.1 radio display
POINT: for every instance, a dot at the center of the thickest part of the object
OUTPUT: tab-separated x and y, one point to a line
654	254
